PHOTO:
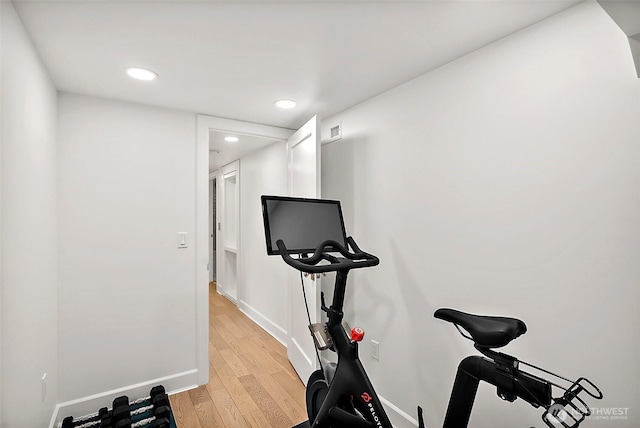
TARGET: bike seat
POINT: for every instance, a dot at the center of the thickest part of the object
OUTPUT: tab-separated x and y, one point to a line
485	331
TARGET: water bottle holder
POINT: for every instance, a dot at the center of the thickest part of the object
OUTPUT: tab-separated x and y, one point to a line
565	415
569	410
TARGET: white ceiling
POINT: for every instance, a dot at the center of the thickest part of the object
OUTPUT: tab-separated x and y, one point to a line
222	152
627	15
234	58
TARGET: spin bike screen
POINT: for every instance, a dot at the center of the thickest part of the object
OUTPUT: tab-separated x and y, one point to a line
302	224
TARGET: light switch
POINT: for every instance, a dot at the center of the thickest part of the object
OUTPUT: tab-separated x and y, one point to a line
182	240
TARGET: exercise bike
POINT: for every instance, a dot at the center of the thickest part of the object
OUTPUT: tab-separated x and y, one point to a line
341	394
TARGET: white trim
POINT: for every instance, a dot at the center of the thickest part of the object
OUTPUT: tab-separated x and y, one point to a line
302	353
202	250
265	323
86	405
244	128
227	296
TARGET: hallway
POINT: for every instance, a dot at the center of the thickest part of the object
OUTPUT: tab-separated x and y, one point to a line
251	382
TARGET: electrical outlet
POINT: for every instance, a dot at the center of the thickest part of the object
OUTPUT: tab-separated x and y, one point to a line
375	350
44	387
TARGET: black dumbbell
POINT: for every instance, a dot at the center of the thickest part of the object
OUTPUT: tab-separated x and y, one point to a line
120	401
123	423
162	412
105	417
121	411
160	400
161	423
157	390
67	422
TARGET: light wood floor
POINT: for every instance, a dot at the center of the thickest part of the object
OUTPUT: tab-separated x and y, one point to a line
251	382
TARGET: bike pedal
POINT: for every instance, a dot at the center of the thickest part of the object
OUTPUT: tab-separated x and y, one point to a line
321	336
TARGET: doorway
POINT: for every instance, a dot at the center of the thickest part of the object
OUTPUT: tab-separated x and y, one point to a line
213	155
228	141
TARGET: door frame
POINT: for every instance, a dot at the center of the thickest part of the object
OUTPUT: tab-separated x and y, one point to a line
213	215
204	124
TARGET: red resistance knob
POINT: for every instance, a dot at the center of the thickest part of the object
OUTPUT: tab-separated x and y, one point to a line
357	334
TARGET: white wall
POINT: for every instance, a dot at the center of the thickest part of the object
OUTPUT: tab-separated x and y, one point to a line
505	182
127	294
264	290
28	230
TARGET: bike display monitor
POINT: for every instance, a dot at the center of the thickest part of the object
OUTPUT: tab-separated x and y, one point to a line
301	223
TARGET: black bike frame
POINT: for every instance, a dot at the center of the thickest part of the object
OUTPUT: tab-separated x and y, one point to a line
503	372
350	378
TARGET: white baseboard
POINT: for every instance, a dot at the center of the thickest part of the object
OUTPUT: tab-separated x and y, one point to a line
87	405
398	418
273	329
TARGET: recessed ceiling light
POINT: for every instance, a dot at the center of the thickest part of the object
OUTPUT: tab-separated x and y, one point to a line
231	139
141	73
286	104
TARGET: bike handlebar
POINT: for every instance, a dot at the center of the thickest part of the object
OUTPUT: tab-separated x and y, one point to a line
351	259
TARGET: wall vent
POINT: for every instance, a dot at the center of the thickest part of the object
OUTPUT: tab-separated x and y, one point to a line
333	133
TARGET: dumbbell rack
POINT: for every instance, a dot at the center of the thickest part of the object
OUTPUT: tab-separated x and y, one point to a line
149	412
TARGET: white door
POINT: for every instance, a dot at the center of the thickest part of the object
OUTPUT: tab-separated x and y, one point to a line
303	151
229	234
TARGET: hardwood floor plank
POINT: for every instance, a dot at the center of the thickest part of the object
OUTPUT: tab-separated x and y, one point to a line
258	420
206	412
241	397
234	362
215	358
232	342
251	382
184	411
231	415
273	344
294	411
228	323
261	350
294	388
265	402
214	381
283	363
270	384
250	362
217	339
